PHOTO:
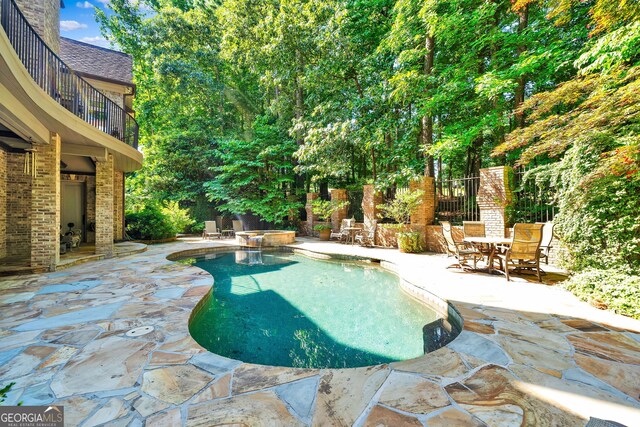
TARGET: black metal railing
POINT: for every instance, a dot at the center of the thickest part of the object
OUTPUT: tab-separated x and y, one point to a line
61	83
533	202
457	200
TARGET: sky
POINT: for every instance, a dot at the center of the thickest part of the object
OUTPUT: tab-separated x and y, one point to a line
77	21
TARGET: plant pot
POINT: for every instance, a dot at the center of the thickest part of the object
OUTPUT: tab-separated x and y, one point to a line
324	234
409	242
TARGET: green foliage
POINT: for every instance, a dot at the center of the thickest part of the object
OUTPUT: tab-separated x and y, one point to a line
402	206
179	218
612	288
149	223
323	209
4	391
321	227
256	176
409	242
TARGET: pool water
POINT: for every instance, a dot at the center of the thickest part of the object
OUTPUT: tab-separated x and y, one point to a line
285	309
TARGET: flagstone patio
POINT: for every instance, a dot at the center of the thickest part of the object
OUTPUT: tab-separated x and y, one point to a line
529	354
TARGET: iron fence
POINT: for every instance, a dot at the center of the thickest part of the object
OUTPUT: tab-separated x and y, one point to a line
355	205
457	200
533	203
61	83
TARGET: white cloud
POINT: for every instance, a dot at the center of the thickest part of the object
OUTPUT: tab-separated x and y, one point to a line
72	25
84	5
97	40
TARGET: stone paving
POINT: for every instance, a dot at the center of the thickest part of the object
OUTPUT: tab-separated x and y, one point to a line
529	354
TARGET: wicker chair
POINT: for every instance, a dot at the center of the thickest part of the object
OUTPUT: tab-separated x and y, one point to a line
367	238
524	252
461	250
341	234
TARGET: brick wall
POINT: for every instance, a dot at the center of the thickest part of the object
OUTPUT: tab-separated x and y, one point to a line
104	207
3	203
370	201
45	206
435	240
44	17
426	212
118	205
337	196
18	207
494	196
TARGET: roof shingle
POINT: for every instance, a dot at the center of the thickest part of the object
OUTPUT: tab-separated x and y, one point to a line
96	61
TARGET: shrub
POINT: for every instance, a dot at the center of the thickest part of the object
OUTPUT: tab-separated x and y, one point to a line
611	289
400	208
150	223
180	218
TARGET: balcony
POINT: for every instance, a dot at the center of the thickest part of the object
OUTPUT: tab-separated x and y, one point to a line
61	83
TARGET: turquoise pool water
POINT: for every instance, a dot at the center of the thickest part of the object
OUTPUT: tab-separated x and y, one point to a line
284	309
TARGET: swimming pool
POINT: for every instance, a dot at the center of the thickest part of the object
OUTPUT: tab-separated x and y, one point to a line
285	309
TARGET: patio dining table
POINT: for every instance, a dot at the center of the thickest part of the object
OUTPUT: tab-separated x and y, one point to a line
490	243
352	233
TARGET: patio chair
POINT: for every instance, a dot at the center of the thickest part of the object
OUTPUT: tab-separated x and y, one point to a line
547	237
477	229
211	229
460	250
237	226
524	252
342	235
367	238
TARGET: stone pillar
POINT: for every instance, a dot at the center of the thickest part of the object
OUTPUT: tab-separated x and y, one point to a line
425	214
338	196
3	203
118	205
370	201
494	196
45	205
311	218
104	207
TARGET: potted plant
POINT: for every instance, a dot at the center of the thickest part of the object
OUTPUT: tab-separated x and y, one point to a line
400	209
323	209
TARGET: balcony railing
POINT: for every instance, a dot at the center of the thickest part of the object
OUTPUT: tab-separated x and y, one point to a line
62	83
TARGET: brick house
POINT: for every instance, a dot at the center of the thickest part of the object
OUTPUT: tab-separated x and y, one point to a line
67	137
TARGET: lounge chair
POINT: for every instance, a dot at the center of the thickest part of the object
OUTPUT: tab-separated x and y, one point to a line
237	226
367	237
462	251
211	229
547	237
524	252
342	235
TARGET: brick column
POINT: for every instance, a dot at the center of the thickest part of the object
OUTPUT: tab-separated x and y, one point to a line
370	201
3	203
494	195
118	204
104	207
426	212
45	205
311	218
337	196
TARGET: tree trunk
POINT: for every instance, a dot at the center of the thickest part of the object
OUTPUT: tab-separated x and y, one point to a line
427	120
523	22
